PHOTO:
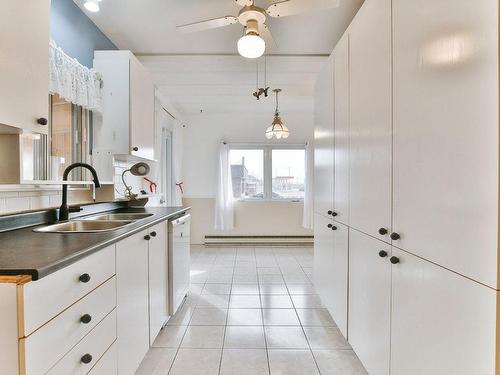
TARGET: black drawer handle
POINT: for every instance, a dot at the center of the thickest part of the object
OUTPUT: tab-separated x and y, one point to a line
394	260
330	226
395	236
86	319
84	278
334	213
382	231
153	234
86	358
330	212
135	149
147	237
382	253
42	121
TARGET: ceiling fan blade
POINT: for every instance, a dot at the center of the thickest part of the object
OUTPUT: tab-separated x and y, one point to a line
244	3
265	33
208	24
293	7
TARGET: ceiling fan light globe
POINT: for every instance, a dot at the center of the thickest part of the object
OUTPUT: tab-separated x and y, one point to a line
91	6
251	46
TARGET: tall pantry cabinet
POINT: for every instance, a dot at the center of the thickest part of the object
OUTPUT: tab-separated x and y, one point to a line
422	192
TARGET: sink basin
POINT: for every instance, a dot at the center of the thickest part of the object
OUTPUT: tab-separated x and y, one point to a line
83	226
118	216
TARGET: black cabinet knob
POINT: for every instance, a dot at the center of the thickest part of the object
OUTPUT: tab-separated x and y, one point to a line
42	121
153	234
330	226
334	213
135	149
147	237
394	260
86	358
382	231
382	253
395	236
334	227
86	319
330	212
84	278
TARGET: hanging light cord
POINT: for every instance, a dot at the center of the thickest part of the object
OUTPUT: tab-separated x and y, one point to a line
277	102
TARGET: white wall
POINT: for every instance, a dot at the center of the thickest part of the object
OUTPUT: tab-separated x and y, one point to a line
202	137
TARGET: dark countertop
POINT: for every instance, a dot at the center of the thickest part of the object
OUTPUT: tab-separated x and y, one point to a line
25	252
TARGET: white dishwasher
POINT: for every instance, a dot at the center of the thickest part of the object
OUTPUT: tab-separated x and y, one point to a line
179	260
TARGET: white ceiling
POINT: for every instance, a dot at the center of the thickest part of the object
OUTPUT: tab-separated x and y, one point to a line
202	71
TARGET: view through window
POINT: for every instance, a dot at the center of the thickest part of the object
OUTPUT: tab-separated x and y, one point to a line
270	172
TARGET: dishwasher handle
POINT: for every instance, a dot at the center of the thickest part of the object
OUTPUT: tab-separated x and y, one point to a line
180	220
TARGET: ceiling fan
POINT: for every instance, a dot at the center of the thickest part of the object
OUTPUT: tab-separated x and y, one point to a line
256	32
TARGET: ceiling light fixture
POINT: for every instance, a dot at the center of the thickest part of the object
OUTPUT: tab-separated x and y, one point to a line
251	45
92	5
277	130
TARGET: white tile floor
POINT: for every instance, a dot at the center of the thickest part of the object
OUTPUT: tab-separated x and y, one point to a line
251	311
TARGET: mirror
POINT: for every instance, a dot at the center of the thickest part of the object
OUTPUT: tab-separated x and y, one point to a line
27	157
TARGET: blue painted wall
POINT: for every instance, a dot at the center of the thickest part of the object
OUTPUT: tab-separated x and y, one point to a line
75	33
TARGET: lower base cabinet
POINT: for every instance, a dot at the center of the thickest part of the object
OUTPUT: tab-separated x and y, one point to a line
442	323
370	301
331	258
132	302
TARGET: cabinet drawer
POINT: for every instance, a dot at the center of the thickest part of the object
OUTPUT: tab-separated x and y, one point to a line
45	298
108	364
44	347
95	344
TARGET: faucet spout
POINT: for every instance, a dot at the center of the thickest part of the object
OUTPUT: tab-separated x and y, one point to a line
64	210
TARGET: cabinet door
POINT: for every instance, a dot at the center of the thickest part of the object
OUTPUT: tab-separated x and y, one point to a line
370	118
132	302
331	267
323	140
370	301
446	133
442	323
142	98
158	280
341	170
24	63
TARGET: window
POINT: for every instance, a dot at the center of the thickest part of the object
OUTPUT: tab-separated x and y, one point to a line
268	172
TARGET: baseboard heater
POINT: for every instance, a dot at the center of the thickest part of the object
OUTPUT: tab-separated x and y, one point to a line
259	241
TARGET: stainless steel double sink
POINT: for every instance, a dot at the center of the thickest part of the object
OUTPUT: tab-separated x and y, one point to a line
94	223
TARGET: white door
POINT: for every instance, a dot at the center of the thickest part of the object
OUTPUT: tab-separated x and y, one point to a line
132	302
370	301
370	119
323	140
323	258
446	133
341	170
442	323
24	64
339	276
142	103
158	279
179	261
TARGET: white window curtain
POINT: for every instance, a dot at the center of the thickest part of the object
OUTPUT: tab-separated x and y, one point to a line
73	81
308	218
177	151
224	202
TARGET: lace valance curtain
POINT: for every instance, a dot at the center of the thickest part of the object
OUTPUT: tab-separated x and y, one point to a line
73	81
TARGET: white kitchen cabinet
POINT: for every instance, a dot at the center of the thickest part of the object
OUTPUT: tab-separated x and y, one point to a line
323	140
370	301
126	125
446	133
24	64
341	150
158	279
370	118
442	323
331	267
132	301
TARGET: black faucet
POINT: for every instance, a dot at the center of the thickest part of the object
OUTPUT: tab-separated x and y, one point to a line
64	210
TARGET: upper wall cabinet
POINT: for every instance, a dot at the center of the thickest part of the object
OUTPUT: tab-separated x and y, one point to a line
341	169
323	140
371	118
446	133
24	64
127	122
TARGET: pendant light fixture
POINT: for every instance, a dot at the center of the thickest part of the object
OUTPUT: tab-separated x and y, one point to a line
277	130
